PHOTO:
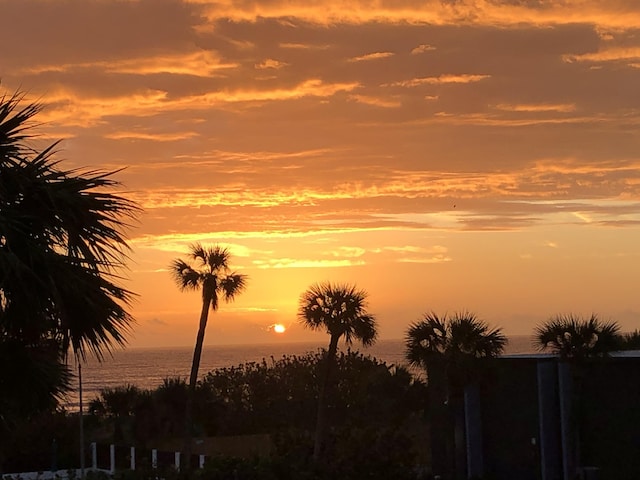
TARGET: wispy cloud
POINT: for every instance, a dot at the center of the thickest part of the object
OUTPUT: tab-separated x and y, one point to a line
371	56
541	107
270	63
422	49
306	263
68	108
200	64
440	80
615	14
154	137
613	54
376	101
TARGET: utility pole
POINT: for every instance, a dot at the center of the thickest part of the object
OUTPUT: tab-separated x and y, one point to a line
81	420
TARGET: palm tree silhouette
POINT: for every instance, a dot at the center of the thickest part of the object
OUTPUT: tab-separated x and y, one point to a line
340	309
212	275
454	343
448	350
578	342
574	338
630	340
62	242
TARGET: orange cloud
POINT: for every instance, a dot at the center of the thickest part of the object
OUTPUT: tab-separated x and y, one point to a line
614	54
371	56
270	63
154	137
303	46
573	166
305	263
615	14
540	107
422	49
68	108
439	80
376	101
200	64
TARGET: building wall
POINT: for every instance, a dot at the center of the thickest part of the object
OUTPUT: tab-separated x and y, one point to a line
523	423
610	418
509	403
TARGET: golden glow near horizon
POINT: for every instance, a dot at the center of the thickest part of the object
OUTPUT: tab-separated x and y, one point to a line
469	155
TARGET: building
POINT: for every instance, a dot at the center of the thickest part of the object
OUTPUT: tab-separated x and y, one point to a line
537	417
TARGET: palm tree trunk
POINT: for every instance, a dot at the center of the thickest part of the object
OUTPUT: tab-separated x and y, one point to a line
193	379
567	418
321	423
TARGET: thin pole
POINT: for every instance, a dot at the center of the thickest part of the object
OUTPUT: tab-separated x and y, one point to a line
81	421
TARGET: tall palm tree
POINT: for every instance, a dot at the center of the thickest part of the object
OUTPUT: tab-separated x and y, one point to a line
212	275
340	310
62	242
448	349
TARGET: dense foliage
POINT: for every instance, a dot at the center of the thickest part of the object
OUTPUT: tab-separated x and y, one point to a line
263	397
376	412
62	243
276	394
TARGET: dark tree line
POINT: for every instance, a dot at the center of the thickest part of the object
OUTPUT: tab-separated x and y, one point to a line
376	412
267	396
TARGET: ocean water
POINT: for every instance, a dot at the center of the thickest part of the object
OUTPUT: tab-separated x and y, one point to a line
148	367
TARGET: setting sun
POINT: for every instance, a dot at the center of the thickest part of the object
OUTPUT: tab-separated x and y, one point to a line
279	328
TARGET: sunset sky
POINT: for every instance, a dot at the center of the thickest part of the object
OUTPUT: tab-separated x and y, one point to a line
479	155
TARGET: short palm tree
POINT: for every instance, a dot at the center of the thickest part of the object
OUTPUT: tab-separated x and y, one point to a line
574	338
340	310
454	343
578	342
449	349
213	276
630	340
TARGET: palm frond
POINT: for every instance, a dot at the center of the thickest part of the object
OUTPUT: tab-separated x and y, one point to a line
232	285
185	276
15	123
572	337
198	253
63	240
218	259
425	339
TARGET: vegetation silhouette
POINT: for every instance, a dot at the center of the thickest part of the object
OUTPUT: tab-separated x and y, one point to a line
378	409
340	310
213	276
449	350
381	414
574	338
454	343
580	343
62	243
629	341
